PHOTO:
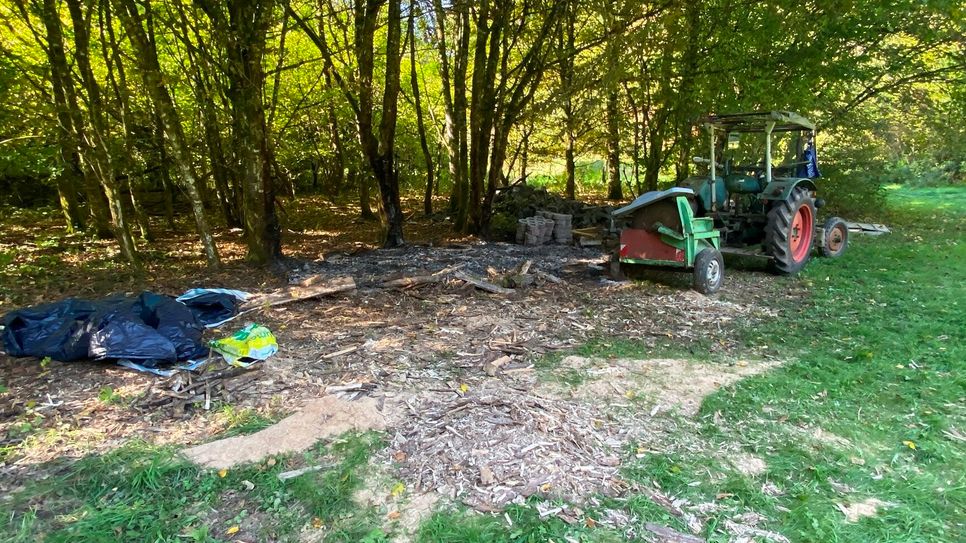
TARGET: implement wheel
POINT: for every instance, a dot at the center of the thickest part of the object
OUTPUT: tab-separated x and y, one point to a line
836	234
790	233
708	271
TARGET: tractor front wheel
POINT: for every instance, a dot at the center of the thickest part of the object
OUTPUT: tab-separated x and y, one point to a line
836	240
708	271
790	233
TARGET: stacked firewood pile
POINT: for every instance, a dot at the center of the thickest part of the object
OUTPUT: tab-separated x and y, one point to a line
522	201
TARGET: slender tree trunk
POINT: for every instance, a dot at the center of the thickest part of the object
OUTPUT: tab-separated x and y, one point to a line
101	162
117	79
568	39
76	154
167	187
150	68
571	168
614	188
335	135
389	180
67	180
653	161
201	68
420	125
365	197
636	148
67	188
525	154
612	52
454	103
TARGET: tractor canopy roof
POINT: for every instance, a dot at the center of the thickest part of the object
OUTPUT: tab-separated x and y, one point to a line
755	121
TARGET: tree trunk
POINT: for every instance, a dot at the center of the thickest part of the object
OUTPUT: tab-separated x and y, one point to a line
420	125
365	197
636	149
389	180
454	103
117	79
167	187
525	154
612	52
101	162
568	45
228	197
74	150
614	188
244	32
67	186
147	57
653	161
571	168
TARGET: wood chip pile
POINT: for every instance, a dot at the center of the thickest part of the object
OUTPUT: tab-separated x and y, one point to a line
499	443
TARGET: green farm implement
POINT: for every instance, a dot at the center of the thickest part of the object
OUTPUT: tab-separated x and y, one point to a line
753	209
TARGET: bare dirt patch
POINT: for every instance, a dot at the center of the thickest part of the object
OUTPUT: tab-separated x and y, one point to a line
325	417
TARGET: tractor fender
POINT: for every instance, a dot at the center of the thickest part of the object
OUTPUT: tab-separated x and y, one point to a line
780	189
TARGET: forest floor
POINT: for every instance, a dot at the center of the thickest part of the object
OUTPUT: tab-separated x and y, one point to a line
777	410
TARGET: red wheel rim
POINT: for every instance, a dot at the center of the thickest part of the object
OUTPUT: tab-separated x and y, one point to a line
836	239
800	240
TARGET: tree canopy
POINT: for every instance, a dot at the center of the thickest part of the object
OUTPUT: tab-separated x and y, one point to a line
236	106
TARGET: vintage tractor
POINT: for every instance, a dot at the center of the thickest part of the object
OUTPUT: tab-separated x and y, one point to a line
756	209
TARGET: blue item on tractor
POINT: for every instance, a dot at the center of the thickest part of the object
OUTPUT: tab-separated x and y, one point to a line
810	167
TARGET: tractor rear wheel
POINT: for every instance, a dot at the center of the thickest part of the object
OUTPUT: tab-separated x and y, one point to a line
708	271
836	240
790	233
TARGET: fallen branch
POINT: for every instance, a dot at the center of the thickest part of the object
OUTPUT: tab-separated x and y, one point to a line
413	281
481	284
340	353
286	475
297	293
549	277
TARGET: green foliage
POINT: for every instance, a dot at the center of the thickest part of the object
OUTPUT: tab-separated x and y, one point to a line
108	395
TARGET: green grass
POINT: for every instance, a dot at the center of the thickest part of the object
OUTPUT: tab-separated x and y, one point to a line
876	357
144	493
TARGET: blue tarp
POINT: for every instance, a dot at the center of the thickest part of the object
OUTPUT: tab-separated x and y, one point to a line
147	331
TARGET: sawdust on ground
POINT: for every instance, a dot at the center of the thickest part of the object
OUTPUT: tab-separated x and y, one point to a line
855	512
666	383
749	465
328	416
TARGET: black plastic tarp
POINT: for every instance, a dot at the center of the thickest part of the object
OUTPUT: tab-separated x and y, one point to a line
150	327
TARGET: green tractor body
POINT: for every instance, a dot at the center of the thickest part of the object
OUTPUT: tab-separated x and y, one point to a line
755	209
761	208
